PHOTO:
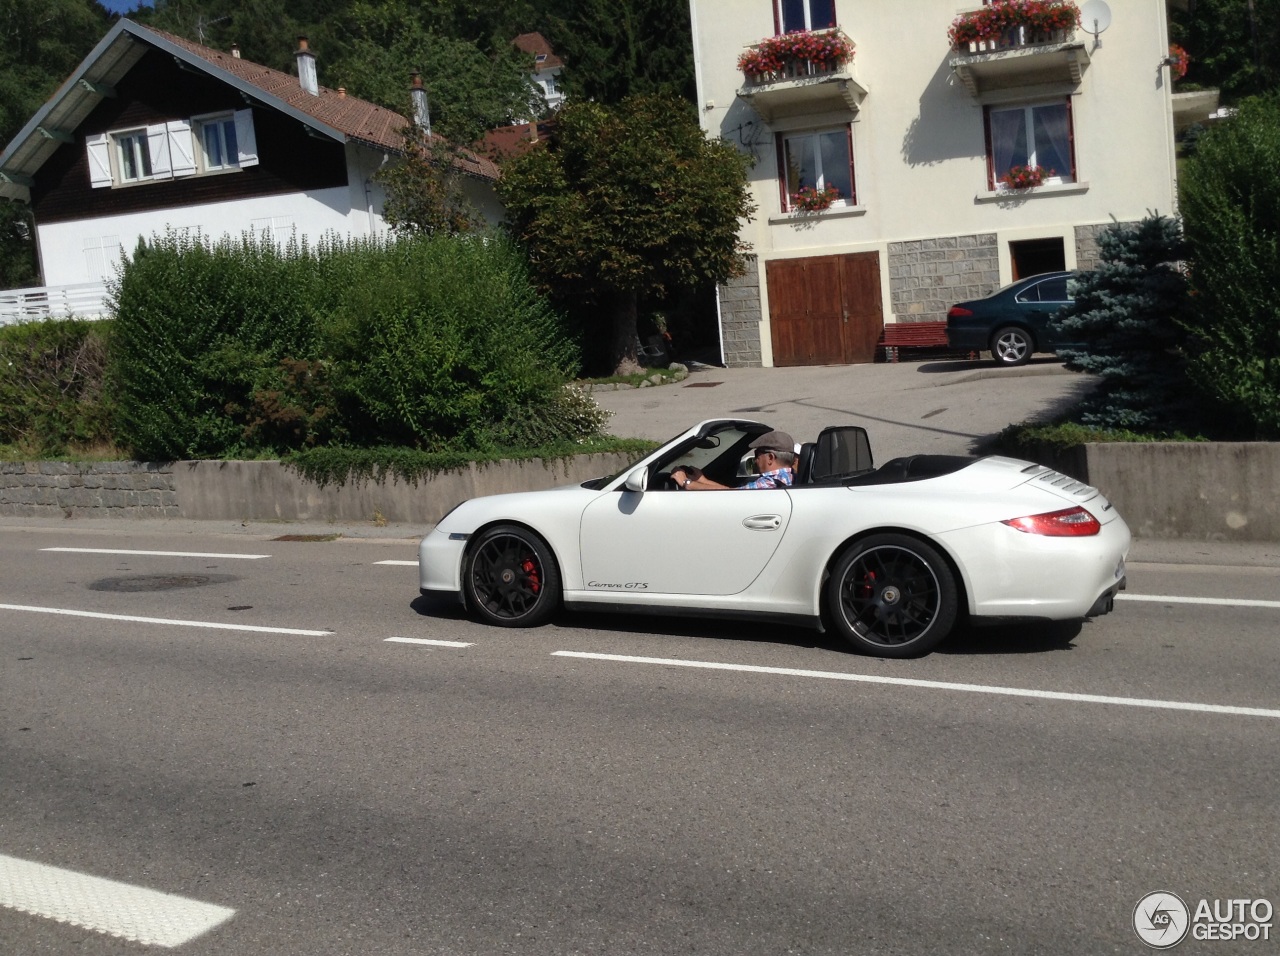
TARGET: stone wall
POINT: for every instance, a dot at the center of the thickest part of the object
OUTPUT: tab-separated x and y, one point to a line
740	317
116	489
1087	245
928	276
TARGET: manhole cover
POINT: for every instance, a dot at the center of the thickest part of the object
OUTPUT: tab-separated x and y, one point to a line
159	582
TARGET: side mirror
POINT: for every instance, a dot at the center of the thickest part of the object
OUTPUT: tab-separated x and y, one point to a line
637	480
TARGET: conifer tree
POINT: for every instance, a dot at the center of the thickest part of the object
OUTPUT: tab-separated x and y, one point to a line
1125	326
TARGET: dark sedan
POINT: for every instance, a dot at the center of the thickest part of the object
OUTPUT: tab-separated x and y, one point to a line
1012	322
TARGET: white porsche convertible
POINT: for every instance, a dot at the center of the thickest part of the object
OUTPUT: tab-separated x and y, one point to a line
890	557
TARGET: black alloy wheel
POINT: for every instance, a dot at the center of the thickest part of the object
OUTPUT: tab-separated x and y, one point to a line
893	596
510	577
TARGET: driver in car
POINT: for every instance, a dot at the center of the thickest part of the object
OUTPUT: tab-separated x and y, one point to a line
775	459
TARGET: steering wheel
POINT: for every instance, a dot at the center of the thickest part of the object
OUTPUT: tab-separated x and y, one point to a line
665	482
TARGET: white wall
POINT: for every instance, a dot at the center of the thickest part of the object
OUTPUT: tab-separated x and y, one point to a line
919	141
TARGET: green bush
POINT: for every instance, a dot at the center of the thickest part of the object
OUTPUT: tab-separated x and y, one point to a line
1231	210
51	386
242	348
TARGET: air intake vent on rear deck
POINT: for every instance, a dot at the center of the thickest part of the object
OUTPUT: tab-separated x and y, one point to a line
1064	483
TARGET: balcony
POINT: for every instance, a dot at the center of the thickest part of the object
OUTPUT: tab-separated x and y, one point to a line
799	74
86	300
1018	57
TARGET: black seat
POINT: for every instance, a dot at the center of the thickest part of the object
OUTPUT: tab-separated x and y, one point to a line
804	463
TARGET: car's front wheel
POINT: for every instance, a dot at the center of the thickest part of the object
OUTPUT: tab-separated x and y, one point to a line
1012	346
510	577
892	596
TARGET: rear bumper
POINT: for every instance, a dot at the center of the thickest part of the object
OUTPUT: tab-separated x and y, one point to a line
967	340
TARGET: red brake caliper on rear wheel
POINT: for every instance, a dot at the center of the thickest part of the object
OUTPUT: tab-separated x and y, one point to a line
531	570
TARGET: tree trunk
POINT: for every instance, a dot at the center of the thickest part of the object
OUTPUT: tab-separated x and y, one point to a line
623	337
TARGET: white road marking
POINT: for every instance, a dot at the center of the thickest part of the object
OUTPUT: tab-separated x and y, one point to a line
938	685
161	620
1172	599
105	906
403	564
161	554
421	640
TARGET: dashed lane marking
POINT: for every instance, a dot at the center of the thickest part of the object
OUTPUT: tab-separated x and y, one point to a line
937	685
161	620
423	640
161	554
1178	599
105	906
403	564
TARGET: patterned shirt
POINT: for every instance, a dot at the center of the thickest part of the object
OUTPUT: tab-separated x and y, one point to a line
780	478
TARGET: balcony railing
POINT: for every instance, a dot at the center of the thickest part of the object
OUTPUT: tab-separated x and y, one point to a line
796	82
85	300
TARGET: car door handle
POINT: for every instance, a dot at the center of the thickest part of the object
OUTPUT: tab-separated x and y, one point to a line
763	522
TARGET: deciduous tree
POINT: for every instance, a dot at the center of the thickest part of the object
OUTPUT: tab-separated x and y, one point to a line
628	201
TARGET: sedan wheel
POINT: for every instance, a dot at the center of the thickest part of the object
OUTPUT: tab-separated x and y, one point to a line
892	596
1012	346
511	578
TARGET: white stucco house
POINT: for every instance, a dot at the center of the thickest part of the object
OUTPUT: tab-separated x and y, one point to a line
153	132
881	139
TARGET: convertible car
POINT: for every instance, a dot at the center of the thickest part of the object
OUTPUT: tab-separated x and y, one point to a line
888	557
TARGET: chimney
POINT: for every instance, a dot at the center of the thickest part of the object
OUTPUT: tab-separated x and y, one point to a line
306	68
421	111
235	50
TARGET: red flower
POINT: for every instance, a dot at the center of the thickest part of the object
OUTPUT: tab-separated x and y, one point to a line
774	54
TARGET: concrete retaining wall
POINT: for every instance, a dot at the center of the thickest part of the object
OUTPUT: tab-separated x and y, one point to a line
1202	491
265	490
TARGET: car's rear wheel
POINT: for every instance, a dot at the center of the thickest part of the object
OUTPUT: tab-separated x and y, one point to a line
1012	346
892	596
510	577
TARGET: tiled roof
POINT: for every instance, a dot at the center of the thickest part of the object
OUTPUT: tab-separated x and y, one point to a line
355	118
507	142
535	44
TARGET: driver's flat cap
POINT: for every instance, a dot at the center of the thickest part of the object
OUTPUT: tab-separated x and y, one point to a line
775	441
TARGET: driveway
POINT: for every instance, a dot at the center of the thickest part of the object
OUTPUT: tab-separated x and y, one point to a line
949	408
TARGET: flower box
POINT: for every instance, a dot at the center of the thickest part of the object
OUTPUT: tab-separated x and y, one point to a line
1008	24
1026	177
791	55
810	199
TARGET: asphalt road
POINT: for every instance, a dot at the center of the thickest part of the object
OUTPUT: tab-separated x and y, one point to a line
589	787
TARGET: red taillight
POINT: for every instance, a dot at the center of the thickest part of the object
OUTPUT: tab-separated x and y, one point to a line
959	313
1071	523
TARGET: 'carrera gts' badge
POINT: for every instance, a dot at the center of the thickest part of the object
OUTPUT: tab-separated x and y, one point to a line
629	586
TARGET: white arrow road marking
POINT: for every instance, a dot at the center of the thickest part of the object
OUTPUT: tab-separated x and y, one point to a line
937	685
422	640
105	906
161	554
160	620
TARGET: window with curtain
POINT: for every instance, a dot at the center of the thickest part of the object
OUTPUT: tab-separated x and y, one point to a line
819	159
1036	135
794	15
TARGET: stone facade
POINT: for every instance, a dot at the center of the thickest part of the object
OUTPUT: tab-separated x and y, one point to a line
928	276
740	319
115	489
1087	245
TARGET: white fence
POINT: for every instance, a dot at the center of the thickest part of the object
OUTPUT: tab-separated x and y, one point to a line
87	300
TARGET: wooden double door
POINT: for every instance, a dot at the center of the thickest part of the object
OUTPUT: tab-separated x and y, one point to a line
825	310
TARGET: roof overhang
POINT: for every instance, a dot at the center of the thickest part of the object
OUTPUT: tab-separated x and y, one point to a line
95	79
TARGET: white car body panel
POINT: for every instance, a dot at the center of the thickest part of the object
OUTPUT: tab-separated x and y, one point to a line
767	552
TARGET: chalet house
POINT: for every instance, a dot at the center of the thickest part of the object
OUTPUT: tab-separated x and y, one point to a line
547	67
153	132
886	146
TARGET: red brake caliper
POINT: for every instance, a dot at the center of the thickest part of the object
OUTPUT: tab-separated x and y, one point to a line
531	572
868	586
